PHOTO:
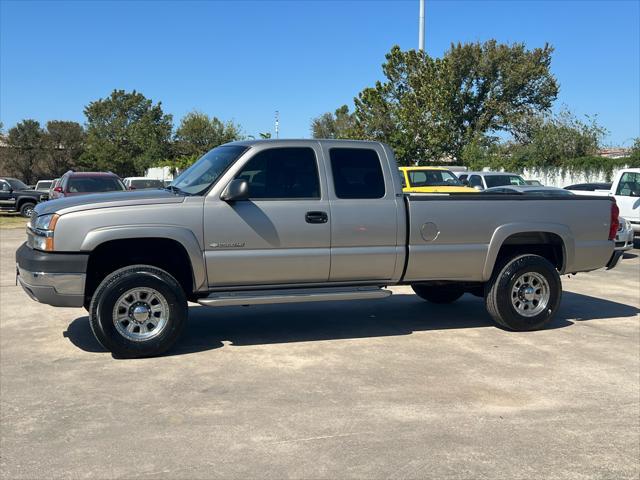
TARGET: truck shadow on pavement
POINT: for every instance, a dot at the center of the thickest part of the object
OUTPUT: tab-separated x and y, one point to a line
400	314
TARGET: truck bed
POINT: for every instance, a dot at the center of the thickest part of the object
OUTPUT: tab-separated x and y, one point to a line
458	236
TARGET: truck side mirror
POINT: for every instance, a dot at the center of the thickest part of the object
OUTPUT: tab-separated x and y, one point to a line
236	190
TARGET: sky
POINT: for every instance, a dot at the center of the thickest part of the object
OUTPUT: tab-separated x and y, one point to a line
243	60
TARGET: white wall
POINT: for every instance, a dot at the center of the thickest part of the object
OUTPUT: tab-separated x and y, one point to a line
555	178
160	173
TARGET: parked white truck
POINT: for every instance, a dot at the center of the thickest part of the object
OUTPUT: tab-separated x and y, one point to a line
626	191
302	220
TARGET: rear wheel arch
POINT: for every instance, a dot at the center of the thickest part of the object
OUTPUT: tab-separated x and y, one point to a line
552	243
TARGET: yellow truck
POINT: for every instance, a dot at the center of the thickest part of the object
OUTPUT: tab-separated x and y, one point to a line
431	180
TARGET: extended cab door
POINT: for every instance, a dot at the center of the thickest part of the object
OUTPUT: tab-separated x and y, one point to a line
367	212
282	234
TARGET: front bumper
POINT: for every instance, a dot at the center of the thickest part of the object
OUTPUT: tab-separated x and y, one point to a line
624	240
53	278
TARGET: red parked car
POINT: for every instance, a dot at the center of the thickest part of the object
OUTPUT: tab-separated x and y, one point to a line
83	183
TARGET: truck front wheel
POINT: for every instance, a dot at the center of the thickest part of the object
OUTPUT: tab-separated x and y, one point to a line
26	209
524	294
438	293
138	311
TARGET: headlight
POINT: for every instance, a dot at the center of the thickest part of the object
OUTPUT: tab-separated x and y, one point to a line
42	243
625	225
40	232
45	222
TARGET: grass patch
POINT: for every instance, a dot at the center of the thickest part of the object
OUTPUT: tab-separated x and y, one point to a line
9	220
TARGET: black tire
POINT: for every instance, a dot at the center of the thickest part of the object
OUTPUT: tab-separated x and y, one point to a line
501	299
26	209
115	285
438	293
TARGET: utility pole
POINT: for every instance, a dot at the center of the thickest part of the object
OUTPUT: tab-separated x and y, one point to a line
421	27
277	124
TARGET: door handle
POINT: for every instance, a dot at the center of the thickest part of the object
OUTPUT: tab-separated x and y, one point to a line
316	217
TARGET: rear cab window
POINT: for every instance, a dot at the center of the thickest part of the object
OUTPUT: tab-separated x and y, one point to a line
357	173
81	184
500	180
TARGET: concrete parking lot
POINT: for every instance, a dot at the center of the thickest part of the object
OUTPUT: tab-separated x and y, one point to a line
394	388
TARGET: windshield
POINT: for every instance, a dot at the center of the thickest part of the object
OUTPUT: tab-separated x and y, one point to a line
500	180
433	178
17	184
198	177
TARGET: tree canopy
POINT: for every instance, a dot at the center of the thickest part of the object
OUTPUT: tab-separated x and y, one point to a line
198	133
334	125
429	108
64	142
26	142
126	133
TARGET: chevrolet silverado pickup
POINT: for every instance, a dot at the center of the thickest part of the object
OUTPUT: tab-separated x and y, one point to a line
277	221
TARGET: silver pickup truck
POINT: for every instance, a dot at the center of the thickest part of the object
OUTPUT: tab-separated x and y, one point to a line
296	221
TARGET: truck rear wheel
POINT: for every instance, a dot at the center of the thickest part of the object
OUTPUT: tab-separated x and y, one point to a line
138	311
438	293
524	294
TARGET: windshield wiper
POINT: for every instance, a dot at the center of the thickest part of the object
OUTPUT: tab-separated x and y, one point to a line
173	188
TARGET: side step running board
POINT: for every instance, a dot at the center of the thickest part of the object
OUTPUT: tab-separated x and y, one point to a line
293	295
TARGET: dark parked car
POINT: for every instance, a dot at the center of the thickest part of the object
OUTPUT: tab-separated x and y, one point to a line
589	187
82	183
15	196
529	190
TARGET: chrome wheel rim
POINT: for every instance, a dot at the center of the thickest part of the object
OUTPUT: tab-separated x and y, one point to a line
28	212
141	314
530	294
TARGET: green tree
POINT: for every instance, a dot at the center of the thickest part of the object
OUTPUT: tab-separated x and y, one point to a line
635	151
126	133
553	139
265	135
340	124
65	144
428	107
25	144
197	134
